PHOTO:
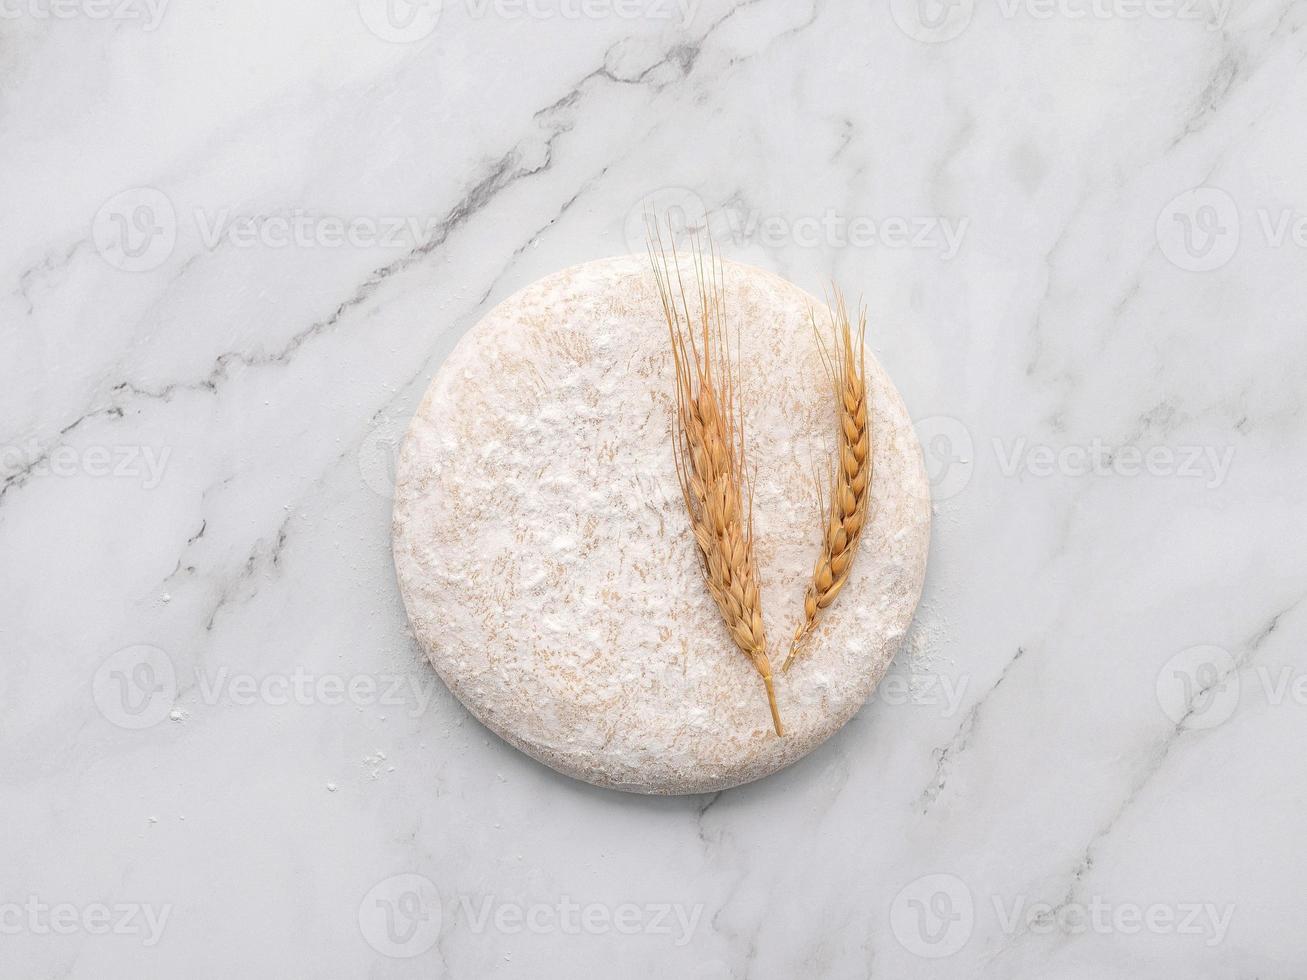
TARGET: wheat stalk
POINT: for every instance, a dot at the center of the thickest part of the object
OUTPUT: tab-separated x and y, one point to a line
708	441
850	483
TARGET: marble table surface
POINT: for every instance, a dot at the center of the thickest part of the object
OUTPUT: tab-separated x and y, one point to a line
239	240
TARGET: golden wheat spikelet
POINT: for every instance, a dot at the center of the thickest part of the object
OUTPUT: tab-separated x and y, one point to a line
708	440
850	483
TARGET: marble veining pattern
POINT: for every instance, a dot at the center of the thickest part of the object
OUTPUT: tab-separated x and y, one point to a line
242	237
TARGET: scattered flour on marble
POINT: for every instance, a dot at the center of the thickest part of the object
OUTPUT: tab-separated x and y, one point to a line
922	654
376	765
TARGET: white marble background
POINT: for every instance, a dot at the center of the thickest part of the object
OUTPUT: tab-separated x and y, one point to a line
240	237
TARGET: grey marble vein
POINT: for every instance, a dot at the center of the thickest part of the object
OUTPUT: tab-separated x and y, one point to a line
210	699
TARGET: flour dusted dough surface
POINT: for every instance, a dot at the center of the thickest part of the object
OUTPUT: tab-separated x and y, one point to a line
546	560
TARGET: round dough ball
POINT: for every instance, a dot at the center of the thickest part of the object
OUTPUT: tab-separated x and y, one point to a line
545	556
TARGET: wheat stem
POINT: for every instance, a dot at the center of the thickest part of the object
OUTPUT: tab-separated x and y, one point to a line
708	443
850	484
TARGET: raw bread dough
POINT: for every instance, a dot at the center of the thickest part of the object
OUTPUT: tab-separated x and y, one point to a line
545	556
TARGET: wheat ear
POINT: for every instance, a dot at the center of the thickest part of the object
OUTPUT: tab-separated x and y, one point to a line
850	485
708	440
